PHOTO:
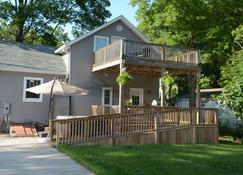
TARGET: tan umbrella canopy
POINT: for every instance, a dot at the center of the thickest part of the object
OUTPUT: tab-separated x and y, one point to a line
57	87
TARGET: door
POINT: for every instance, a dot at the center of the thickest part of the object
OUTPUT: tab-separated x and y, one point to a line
136	95
116	38
107	96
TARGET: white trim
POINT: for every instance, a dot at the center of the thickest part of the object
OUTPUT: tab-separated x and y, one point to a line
111	64
69	66
117	37
24	90
30	71
102	37
142	95
103	95
65	47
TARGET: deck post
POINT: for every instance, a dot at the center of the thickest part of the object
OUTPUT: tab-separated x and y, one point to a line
216	113
112	132
50	131
198	96
156	128
162	90
120	91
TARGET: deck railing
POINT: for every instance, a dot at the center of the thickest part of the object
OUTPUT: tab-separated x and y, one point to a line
108	54
86	129
145	51
104	109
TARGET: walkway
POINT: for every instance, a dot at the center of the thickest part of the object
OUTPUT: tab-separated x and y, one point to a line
25	156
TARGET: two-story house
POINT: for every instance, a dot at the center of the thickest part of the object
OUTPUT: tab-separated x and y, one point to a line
93	61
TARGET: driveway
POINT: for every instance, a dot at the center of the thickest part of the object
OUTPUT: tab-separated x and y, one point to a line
25	156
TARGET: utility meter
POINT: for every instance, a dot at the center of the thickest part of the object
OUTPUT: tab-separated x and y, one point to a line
6	108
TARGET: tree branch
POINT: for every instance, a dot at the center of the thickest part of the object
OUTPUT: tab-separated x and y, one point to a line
16	6
55	28
37	30
239	44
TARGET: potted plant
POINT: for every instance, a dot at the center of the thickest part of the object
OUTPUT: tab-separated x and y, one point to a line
123	78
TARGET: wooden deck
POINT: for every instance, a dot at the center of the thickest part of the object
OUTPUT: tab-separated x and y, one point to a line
141	56
153	126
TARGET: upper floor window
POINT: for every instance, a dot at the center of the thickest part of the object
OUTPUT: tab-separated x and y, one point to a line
29	96
100	42
116	38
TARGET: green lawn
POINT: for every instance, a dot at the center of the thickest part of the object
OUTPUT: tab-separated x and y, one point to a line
159	159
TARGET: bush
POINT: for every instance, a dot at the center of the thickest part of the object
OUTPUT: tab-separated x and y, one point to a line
225	129
236	131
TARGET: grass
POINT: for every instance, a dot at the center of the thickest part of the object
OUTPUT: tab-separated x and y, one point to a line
159	159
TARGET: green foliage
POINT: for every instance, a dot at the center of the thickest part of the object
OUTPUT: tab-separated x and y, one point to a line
225	129
236	131
206	25
171	88
167	80
233	84
123	78
43	21
205	82
129	102
232	75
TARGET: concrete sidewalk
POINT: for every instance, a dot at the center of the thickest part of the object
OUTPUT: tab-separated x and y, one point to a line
25	156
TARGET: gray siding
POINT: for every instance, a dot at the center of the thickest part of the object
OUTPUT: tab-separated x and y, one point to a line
11	90
81	73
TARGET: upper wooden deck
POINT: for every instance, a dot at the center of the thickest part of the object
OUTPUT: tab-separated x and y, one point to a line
135	54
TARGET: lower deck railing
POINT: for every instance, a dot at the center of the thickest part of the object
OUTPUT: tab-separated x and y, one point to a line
89	129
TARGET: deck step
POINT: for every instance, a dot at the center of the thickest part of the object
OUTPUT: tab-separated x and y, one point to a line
23	130
43	134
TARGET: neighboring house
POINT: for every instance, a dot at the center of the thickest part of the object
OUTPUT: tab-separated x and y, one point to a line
206	95
93	61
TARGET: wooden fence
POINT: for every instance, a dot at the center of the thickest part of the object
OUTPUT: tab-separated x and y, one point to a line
104	109
162	126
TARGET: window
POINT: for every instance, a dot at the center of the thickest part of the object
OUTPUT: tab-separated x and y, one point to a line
100	42
28	83
116	38
136	95
106	96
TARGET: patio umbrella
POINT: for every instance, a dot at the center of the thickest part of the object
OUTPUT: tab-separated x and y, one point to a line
57	87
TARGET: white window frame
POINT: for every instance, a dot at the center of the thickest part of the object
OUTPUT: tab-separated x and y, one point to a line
103	95
40	99
140	90
99	36
120	37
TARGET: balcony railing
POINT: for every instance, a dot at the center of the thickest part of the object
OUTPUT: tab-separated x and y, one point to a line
108	54
125	49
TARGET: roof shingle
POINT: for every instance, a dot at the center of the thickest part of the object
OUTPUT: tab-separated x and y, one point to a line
21	57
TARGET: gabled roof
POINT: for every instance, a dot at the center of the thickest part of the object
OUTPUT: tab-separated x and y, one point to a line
19	57
65	47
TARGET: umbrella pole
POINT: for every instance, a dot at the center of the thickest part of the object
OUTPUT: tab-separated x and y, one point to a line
51	99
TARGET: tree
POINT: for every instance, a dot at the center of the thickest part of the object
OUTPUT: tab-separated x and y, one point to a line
204	82
28	19
171	88
202	24
232	75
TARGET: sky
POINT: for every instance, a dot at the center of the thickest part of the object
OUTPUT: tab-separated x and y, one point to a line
122	7
117	8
